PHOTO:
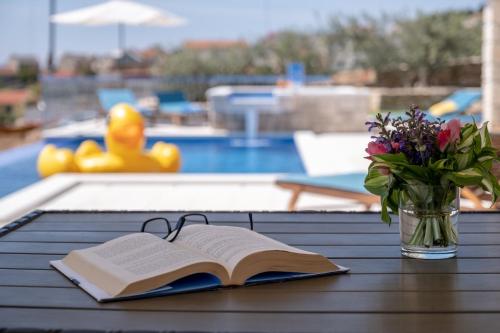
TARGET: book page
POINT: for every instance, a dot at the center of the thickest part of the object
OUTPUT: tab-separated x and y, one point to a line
128	259
145	254
229	245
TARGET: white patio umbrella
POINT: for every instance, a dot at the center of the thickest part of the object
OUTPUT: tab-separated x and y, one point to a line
120	12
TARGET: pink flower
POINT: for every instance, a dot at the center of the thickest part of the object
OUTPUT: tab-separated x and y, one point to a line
449	134
454	127
375	148
443	138
395	146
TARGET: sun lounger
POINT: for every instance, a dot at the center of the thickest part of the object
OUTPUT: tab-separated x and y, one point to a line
464	118
110	97
175	105
351	186
455	104
348	186
480	198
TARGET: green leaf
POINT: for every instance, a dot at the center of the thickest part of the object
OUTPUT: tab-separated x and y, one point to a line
471	176
442	164
486	162
384	213
419	193
411	173
464	160
420	171
467	130
477	144
393	198
375	181
490	151
490	183
485	136
396	159
382	185
487	184
467	142
496	192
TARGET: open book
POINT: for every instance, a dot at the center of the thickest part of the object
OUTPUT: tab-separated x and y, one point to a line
202	257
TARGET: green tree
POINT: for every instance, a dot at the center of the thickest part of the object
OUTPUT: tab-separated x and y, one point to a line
363	41
420	44
431	41
234	60
272	53
27	74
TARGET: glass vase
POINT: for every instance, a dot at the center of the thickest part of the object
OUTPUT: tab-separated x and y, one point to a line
428	221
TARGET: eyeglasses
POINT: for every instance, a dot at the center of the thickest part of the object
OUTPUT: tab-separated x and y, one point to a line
164	224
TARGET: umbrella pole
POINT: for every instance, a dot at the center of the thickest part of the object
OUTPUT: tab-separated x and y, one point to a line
121	37
52	37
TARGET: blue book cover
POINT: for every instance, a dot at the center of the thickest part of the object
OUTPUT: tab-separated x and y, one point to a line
193	283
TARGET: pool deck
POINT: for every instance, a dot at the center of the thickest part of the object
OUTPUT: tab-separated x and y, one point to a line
97	127
332	153
194	192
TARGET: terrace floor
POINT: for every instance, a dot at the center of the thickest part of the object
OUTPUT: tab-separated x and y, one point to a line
208	192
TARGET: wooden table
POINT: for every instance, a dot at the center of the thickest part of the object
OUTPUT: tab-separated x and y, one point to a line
383	293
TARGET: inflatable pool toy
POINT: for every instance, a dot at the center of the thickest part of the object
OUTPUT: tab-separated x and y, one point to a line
125	142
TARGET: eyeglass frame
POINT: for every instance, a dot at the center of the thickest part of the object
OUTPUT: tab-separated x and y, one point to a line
180	223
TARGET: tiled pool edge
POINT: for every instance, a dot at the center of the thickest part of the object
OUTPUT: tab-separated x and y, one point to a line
29	198
32	197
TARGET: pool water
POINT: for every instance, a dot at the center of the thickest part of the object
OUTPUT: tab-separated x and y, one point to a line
199	155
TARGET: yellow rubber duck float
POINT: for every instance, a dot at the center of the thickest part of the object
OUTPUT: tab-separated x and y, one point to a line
125	142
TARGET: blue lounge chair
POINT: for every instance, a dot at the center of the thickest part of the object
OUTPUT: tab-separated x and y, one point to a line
464	118
456	104
175	103
348	186
110	97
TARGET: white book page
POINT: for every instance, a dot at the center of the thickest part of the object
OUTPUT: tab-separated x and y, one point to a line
145	254
130	258
229	245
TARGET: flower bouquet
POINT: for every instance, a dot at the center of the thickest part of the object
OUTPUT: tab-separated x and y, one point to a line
417	167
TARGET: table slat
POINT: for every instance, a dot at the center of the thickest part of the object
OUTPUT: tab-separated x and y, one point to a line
332	251
271	227
346	282
292	239
248	322
251	299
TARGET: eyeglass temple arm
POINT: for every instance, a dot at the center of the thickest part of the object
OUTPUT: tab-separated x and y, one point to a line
250	217
182	221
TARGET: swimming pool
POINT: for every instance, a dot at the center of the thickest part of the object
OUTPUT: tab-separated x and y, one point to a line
199	155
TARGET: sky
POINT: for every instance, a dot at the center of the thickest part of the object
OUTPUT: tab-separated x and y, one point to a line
24	23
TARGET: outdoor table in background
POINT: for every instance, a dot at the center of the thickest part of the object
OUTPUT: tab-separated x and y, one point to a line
383	293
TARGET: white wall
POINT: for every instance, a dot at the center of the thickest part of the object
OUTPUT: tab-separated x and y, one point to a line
491	65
